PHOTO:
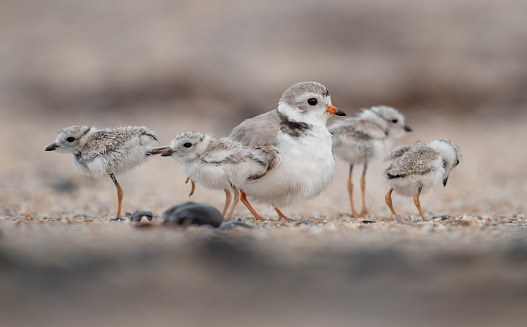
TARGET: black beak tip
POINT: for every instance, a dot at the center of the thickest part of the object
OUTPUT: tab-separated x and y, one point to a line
166	153
408	128
51	147
340	113
445	181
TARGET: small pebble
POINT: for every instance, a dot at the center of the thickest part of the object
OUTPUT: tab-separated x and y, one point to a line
138	215
368	222
192	213
303	222
230	225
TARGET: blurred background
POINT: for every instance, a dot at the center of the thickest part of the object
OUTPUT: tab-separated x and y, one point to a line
455	68
237	57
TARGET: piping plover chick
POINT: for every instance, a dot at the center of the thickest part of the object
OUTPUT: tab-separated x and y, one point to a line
297	130
415	170
217	163
363	139
105	152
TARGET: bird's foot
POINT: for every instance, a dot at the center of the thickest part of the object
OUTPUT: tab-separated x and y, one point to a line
398	219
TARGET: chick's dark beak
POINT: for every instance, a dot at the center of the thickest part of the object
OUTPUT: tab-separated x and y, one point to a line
407	128
51	147
167	153
159	150
444	181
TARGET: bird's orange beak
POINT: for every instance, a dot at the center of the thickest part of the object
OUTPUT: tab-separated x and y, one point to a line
332	110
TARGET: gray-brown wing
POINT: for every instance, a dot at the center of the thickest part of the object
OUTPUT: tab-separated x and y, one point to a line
416	161
359	129
105	141
258	131
397	152
113	140
271	158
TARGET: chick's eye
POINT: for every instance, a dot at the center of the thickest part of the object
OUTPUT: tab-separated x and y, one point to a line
187	145
70	139
312	101
394	121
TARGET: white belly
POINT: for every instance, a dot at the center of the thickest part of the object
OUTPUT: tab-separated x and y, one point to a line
306	169
409	185
211	176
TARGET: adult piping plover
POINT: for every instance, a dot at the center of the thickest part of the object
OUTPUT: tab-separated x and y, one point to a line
106	152
297	130
362	139
415	170
219	163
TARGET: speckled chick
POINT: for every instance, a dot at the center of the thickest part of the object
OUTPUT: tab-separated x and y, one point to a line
416	170
105	152
220	163
297	130
365	138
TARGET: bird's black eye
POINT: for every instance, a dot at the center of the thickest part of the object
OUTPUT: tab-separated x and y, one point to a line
394	121
187	145
70	139
312	101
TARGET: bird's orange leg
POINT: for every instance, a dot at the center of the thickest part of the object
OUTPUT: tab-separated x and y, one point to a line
282	215
418	204
228	198
388	199
243	198
193	186
120	195
350	193
236	200
363	190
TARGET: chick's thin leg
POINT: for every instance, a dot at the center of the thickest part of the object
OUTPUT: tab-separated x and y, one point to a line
350	192
388	199
418	204
243	198
228	198
363	189
282	215
237	196
193	186
120	195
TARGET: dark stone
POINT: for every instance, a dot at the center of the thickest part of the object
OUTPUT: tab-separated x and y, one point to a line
443	218
230	225
136	216
368	222
192	213
303	222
